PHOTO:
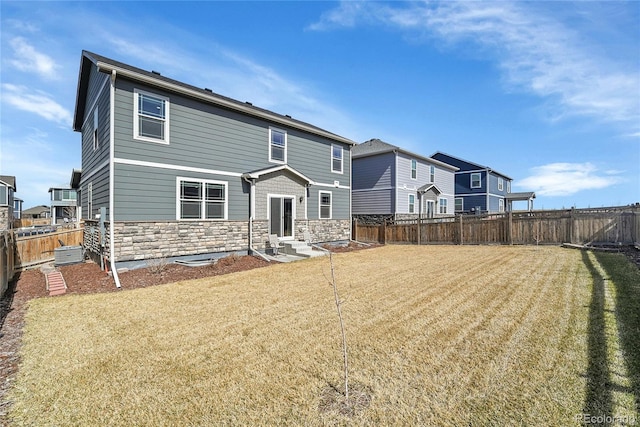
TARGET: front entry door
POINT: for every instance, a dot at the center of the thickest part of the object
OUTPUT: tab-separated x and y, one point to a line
281	216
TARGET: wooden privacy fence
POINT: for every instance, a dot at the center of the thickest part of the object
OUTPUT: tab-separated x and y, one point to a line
32	250
577	226
7	262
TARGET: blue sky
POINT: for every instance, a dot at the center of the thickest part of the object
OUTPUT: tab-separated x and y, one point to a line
547	93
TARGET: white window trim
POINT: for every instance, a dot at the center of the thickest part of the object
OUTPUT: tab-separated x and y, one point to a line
320	193
441	204
341	171
95	135
500	205
461	204
89	200
500	184
508	186
286	143
414	162
409	204
479	180
136	122
179	179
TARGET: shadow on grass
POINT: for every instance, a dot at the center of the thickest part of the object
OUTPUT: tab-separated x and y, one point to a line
6	301
626	279
598	397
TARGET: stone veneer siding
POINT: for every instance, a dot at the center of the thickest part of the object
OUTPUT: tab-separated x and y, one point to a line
321	230
148	240
4	218
163	239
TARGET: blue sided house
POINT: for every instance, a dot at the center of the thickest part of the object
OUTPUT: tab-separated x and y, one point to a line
480	189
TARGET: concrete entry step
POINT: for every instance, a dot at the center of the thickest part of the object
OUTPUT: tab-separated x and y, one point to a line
298	248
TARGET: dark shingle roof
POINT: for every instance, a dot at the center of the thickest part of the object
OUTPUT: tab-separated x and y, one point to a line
376	146
153	78
9	180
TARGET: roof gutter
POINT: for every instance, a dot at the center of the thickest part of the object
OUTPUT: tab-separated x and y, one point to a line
105	67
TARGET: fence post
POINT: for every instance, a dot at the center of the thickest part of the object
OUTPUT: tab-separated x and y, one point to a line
384	232
510	228
571	223
460	228
419	229
354	229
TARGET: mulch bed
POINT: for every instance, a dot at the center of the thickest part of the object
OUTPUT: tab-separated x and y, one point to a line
87	278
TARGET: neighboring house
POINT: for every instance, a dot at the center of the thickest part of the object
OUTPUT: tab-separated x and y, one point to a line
36	212
180	170
389	181
63	205
480	189
17	208
7	190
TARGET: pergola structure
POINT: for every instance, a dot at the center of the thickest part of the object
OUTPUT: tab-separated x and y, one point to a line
520	197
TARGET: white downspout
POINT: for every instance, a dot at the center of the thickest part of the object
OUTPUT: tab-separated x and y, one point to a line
112	249
252	213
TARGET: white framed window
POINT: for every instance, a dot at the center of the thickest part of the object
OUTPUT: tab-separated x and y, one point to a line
476	180
500	184
277	145
325	205
443	205
150	117
201	199
336	158
508	186
96	141
501	205
414	169
459	204
432	174
412	203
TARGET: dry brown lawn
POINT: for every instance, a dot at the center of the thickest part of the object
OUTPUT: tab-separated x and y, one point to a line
438	335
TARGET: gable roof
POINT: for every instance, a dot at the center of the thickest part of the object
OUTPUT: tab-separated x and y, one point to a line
376	146
37	210
106	65
465	165
9	180
258	173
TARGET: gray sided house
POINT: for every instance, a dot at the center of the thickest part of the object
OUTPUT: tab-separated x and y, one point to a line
480	189
390	182
63	205
7	201
181	170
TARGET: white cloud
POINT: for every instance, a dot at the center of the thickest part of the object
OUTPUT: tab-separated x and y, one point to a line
36	102
564	179
27	58
537	52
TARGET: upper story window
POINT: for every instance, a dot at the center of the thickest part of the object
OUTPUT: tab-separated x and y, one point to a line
151	117
96	142
325	204
202	199
336	158
412	203
277	146
432	173
414	169
64	195
501	205
500	184
508	186
476	180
